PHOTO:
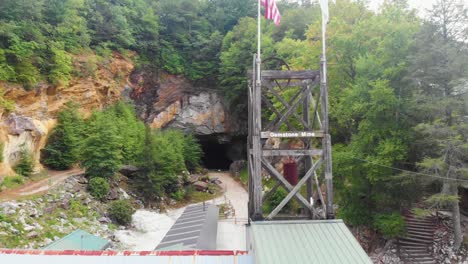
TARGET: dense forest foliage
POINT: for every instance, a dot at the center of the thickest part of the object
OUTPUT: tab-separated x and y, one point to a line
114	137
398	86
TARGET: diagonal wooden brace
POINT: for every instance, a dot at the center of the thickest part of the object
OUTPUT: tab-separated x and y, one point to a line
278	114
296	189
292	108
303	92
272	171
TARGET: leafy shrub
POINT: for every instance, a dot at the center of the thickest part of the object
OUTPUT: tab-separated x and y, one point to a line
178	195
25	165
275	199
390	225
121	211
98	187
78	209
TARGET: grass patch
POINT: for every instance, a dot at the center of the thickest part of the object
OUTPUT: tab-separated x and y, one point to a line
12	182
244	176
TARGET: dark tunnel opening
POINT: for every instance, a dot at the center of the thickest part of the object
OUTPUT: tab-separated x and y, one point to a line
219	151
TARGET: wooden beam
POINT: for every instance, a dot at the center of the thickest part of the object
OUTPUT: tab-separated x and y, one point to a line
295	190
278	114
291	152
272	171
292	134
272	74
291	110
288	106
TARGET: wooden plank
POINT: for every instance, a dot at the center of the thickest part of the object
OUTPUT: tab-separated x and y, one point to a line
292	134
273	172
293	108
275	74
279	74
278	114
295	190
301	94
307	145
291	152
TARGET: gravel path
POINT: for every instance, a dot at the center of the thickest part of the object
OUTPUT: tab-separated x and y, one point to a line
40	186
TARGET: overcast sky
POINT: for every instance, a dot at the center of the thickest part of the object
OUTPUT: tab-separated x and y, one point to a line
420	5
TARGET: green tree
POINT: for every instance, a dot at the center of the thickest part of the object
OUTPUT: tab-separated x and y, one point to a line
25	164
131	130
439	71
236	58
102	149
63	146
162	161
192	152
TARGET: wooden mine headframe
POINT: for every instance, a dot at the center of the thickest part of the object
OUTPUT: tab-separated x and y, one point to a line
304	114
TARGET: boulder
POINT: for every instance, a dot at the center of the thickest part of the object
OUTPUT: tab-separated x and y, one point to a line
105	220
18	124
200	186
129	170
113	194
32	234
236	167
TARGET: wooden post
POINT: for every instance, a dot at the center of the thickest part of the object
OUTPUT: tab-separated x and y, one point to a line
326	142
307	144
256	149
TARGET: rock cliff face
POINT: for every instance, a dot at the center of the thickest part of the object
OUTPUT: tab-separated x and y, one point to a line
174	102
167	101
28	125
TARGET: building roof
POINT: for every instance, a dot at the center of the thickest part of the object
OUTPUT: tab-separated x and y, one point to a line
124	257
313	241
196	228
79	240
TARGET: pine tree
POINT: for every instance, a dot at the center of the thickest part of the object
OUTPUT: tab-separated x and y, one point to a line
439	71
102	150
63	145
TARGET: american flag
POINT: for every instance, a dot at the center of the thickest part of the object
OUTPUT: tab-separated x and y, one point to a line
271	11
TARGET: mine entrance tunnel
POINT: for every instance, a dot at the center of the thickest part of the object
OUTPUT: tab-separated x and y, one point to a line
219	151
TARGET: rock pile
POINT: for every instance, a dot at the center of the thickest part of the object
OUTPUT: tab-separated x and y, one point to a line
37	222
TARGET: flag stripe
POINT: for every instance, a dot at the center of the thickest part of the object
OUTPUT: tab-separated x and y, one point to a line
271	11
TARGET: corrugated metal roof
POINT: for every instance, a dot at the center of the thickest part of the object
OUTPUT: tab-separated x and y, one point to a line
125	257
79	240
314	241
196	228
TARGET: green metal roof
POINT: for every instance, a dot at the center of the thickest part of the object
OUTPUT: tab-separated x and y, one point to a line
313	241
79	240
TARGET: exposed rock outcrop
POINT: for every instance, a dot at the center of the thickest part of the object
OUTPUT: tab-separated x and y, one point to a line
175	102
202	114
28	125
162	100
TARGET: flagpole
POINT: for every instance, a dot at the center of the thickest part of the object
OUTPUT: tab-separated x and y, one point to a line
259	59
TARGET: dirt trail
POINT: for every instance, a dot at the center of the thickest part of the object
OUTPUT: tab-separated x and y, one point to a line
231	231
40	186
